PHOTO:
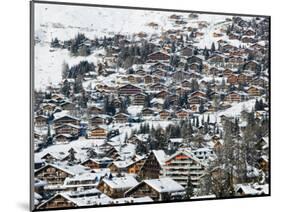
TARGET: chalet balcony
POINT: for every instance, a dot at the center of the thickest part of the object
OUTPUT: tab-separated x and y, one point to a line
176	178
186	172
182	167
181	162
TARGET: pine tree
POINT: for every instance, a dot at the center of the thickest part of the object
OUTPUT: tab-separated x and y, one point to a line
197	121
55	43
65	70
201	107
194	85
49	140
78	87
213	47
71	156
189	189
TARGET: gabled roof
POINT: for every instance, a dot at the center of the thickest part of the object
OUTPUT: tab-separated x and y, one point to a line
67	125
66	116
124	86
122	114
160	156
184	152
56	167
121	182
94	197
63	166
163	185
158	52
64	135
41	116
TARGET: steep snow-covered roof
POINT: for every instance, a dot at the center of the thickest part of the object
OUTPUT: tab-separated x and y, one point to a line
72	170
160	156
185	152
164	185
121	182
94	197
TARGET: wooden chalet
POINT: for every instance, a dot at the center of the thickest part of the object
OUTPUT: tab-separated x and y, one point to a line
227	48
66	119
182	114
63	138
194	59
67	106
135	167
157	87
115	187
198	94
234	62
95	110
58	97
164	114
139	99
97	120
148	79
254	91
161	65
147	112
233	36
40	121
197	100
97	133
97	163
232	79
233	97
69	129
53	174
162	94
186	51
132	79
248	39
180	75
58	201
121	118
158	56
182	165
140	72
162	189
48	107
251	65
216	60
112	153
186	83
129	90
153	165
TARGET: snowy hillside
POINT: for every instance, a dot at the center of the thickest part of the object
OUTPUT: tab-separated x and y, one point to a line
64	23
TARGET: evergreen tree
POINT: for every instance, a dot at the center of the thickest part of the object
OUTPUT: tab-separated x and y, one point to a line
201	107
189	189
147	100
55	43
197	122
78	87
213	47
194	85
65	69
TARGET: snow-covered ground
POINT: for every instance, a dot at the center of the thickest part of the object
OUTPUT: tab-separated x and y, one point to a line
48	64
234	111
